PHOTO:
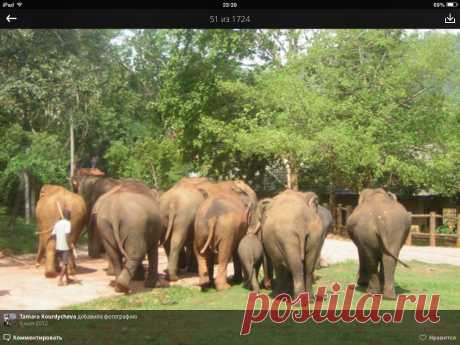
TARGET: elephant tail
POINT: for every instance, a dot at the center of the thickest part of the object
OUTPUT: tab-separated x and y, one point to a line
211	227
116	234
302	247
384	242
171	218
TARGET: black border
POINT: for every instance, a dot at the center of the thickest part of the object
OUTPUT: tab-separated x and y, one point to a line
320	19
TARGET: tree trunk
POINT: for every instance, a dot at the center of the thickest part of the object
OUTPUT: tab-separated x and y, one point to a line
332	200
288	173
17	202
294	178
33	197
72	147
292	174
26	197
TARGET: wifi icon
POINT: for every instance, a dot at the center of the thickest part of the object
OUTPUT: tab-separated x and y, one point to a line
19	4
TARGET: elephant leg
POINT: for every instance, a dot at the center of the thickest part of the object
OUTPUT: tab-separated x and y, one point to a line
50	263
254	282
313	250
191	260
296	266
126	274
210	258
139	274
40	254
95	246
237	276
109	270
363	274
72	267
223	257
283	279
268	272
176	245
152	275
114	258
136	248
167	248
246	266
388	266
182	263
372	261
203	272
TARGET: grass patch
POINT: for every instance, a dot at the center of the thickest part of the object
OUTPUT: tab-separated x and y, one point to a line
421	278
21	239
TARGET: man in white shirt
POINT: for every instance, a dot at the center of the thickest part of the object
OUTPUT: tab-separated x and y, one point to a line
61	230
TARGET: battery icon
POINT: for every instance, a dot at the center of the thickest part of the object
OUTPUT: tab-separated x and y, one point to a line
452	4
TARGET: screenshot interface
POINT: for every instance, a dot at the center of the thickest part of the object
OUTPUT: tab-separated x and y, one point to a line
229	172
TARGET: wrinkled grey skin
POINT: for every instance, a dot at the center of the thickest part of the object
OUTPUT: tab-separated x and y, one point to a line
257	218
250	252
220	223
91	188
379	227
294	231
179	206
178	209
129	225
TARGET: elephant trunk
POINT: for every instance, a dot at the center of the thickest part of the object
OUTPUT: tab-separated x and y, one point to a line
211	227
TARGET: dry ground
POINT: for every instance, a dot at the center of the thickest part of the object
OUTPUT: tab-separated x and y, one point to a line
23	286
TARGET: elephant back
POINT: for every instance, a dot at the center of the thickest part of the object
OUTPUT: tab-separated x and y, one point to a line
47	210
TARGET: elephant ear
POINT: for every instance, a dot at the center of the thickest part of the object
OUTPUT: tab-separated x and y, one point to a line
392	196
243	195
363	195
250	213
263	205
204	193
155	193
312	200
75	181
239	191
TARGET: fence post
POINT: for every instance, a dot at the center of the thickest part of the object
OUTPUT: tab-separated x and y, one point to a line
458	230
432	229
409	236
339	218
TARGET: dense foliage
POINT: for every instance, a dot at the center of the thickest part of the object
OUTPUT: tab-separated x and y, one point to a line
333	108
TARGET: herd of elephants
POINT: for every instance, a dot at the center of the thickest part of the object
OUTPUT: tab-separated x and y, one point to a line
201	223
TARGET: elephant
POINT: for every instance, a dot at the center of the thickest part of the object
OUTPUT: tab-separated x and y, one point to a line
47	214
378	226
294	230
91	187
178	207
255	227
220	223
127	219
251	252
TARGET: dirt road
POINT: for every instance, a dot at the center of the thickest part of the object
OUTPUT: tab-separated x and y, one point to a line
338	251
22	286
